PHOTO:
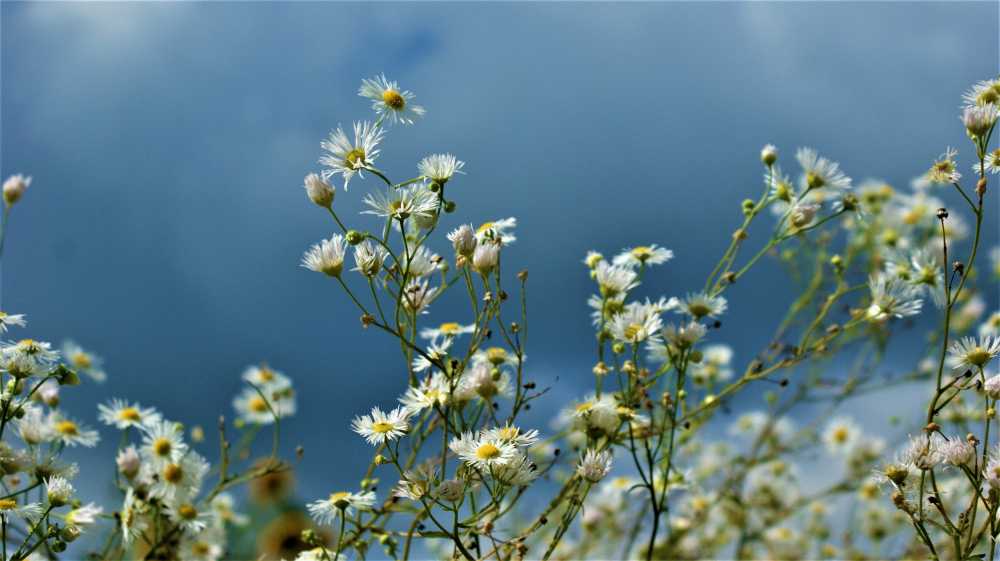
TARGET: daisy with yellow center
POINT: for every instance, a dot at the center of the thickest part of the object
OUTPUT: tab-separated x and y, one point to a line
345	157
512	434
482	452
121	414
162	442
72	433
643	255
970	353
342	503
447	330
944	170
379	427
497	231
177	482
389	101
7	320
84	361
261	405
840	435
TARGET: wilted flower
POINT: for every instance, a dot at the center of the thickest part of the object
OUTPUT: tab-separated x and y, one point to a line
594	465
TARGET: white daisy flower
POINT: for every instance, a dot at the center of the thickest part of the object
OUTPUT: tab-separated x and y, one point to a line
35	427
27	511
892	298
327	256
970	353
944	170
463	240
479	380
979	120
958	452
128	461
439	168
642	255
600	413
422	262
346	158
682	336
414	201
636	323
188	517
7	320
327	511
121	414
486	257
483	453
991	163
58	491
379	427
518	472
594	465
700	305
82	516
841	435
818	172
163	442
714	366
437	350
389	101
923	451
176	482
70	432
447	330
991	326
266	378
27	357
223	505
418	295
319	191
497	231
614	280
985	92
131	517
253	407
512	434
368	258
432	391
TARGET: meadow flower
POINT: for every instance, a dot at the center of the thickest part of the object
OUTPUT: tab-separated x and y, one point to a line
991	326
923	451
162	442
14	188
769	154
346	158
70	432
35	427
58	491
985	92
978	120
7	320
636	323
422	262
85	515
451	490
486	257
892	297
991	474
463	240
369	257
176	482
399	204
600	413
258	406
481	452
714	366
512	434
342	503
802	214
594	465
319	191
991	163
841	435
480	380
389	101
27	357
439	168
128	461
497	231
327	256
431	391
968	352
682	336
208	545
418	295
518	472
266	378
643	255
958	452
818	172
944	169
131	518
436	351
379	427
83	361
26	511
188	517
121	414
446	330
700	305
615	279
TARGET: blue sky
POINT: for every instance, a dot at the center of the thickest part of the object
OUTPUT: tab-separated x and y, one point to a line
168	142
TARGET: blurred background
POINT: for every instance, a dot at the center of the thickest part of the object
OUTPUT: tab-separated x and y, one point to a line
168	141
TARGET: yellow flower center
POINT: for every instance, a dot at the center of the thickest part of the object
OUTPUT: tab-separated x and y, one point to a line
394	99
187	511
162	446
266	374
509	433
584	407
814	180
8	504
632	331
484	227
977	356
355	158
988	96
81	360
257	404
450	328
381	427
129	414
642	253
496	355
340	500
173	473
699	309
840	435
200	548
487	451
67	428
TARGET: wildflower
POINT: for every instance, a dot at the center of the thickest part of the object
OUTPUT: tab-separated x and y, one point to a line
924	451
27	357
600	413
71	433
958	452
991	162
27	511
327	256
380	427
85	515
439	168
128	461
594	465
266	378
342	503
162	442
261	406
14	187
513	435
447	330
369	257
431	391
970	353
418	295
684	335
451	490
768	155
480	380
176	482
892	297
986	92
700	305
486	257
614	279
463	240
643	255
818	172
7	320
979	120
714	366
497	231
122	415
841	435
991	326
636	323
132	522
400	204
436	351
389	101
346	158
83	361
422	262
991	475
944	169
58	491
481	452
802	214
188	517
319	191
518	472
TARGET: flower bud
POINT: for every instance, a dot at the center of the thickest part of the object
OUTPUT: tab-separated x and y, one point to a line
320	192
769	155
14	188
354	237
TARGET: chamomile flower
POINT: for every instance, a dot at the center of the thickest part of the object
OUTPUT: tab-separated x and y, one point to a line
958	452
699	305
432	391
593	412
422	262
439	168
379	427
991	163
497	231
132	521
518	472
923	451
593	465
121	414
892	297
176	482
35	427
261	407
971	353
266	378
70	432
82	516
714	366
944	170
8	320
684	335
985	92
819	172
447	330
189	517
486	257
389	101
417	295
338	504
27	357
481	452
463	240
26	511
368	258
58	491
614	279
643	255
327	256
512	434
163	442
346	158
480	380
636	323
400	204
841	435
979	120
